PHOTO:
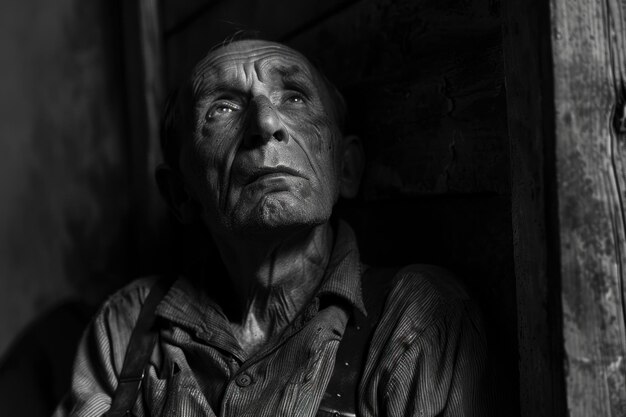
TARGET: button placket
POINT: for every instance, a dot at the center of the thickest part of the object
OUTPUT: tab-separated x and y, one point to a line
232	396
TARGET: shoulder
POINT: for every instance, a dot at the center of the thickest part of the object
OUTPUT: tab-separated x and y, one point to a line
429	346
105	339
424	295
423	282
121	308
132	293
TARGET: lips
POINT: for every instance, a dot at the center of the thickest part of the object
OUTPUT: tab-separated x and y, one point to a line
260	172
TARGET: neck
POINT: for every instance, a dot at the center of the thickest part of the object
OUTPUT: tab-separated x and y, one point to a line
273	280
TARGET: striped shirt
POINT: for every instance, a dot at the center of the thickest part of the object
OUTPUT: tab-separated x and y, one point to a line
427	356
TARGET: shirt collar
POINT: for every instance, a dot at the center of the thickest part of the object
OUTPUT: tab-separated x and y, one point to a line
189	304
343	274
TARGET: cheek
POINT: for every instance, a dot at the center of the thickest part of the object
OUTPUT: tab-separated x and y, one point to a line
319	139
197	167
219	140
324	142
317	136
210	157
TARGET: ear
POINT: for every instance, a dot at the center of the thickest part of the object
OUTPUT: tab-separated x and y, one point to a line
352	164
175	194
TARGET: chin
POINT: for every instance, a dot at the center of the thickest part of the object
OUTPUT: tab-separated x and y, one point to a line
279	216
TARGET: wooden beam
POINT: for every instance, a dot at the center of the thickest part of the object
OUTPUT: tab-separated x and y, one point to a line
589	54
145	91
153	81
530	103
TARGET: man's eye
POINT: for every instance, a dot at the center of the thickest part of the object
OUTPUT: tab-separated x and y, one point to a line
295	98
224	109
221	110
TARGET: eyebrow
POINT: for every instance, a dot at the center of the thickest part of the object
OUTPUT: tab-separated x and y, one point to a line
287	71
294	76
202	91
292	73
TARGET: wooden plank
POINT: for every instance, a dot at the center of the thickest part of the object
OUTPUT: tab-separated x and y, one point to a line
425	87
270	19
589	53
528	69
145	94
153	86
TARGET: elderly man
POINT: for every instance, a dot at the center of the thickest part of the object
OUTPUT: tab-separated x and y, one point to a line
256	150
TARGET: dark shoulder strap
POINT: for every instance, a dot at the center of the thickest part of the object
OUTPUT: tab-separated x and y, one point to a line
138	351
341	393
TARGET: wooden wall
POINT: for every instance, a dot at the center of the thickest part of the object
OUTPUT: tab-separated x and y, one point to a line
589	55
530	98
424	82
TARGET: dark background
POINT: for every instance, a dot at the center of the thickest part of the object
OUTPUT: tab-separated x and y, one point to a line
424	81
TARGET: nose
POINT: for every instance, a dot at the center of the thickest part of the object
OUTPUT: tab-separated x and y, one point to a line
264	123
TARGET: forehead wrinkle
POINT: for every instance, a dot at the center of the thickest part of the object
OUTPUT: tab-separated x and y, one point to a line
260	57
232	52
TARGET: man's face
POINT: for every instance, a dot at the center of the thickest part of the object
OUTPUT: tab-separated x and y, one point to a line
262	153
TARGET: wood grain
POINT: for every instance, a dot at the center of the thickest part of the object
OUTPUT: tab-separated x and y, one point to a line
589	53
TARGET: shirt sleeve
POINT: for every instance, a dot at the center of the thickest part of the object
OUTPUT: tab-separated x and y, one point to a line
101	353
443	370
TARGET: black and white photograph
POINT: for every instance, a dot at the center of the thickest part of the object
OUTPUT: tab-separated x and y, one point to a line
313	208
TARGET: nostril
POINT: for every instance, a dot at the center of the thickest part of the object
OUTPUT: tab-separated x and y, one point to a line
281	135
266	132
259	139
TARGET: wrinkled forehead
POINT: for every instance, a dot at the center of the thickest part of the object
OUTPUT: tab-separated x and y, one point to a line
238	61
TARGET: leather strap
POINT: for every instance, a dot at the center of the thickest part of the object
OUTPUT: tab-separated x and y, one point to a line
138	352
340	398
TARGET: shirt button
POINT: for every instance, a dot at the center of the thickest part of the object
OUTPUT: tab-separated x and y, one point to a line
243	380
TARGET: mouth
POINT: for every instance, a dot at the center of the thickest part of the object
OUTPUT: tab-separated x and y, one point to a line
269	172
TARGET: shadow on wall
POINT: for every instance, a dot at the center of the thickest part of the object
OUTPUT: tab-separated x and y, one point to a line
35	372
